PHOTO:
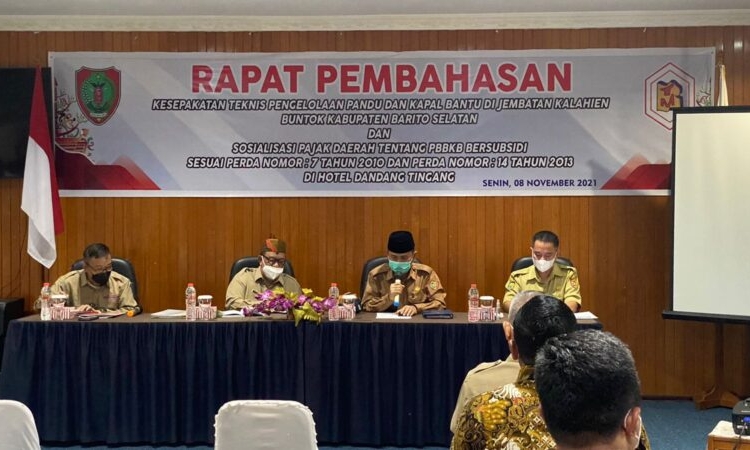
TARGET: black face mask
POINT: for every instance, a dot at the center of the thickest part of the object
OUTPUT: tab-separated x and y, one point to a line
101	278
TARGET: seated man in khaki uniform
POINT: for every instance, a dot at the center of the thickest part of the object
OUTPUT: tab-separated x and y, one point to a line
96	287
268	275
489	376
545	275
402	285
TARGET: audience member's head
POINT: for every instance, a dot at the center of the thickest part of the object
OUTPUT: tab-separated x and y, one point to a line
589	391
518	301
539	319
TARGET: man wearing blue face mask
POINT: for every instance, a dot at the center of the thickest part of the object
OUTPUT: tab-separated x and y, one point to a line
96	287
402	285
545	275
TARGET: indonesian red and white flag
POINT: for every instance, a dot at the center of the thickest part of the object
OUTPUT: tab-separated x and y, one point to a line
40	199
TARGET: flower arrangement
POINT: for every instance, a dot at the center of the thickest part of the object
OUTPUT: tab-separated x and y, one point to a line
304	306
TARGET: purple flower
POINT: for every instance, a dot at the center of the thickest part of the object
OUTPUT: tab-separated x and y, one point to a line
277	300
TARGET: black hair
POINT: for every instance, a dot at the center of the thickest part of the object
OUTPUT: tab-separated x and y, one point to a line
546	236
97	250
587	383
539	319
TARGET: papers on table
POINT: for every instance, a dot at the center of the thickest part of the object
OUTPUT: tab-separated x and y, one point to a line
585	315
99	315
390	316
180	313
169	313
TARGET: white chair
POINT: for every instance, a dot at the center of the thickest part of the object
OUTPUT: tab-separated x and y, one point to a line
17	427
264	424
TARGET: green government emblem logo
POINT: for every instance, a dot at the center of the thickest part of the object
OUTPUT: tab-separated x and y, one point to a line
98	93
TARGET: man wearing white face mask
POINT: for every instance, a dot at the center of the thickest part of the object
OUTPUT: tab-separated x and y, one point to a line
268	275
545	275
589	392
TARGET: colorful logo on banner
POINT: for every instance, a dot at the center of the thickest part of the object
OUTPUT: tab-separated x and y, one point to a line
671	87
98	93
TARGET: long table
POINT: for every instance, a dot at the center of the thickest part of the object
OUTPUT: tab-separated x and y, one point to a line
144	380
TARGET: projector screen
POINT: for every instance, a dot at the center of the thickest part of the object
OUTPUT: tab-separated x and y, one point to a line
711	199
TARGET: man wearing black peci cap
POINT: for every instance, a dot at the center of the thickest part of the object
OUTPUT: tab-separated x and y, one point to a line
403	285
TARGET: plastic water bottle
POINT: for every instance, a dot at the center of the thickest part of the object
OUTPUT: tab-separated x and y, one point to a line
190	297
397	299
45	299
473	303
333	292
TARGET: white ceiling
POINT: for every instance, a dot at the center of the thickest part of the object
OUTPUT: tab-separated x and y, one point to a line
259	15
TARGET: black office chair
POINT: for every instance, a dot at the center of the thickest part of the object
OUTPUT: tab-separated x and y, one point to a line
526	261
252	262
369	265
121	266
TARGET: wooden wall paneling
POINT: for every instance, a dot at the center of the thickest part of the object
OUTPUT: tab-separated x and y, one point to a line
466	231
5	49
743	97
736	345
172	41
354	254
480	261
174	240
445	40
10	239
17	58
222	41
498	266
210	43
739	66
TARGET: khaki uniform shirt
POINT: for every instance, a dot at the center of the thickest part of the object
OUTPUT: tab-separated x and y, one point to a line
115	296
484	377
422	288
562	283
249	281
509	418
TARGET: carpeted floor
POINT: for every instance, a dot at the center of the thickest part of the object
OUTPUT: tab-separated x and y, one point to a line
671	425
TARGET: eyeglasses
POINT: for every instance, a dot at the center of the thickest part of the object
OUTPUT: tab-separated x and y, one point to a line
278	262
104	269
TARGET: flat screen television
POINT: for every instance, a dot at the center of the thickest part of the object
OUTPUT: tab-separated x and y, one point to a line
16	90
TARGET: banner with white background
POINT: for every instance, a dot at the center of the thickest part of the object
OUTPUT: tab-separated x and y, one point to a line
488	123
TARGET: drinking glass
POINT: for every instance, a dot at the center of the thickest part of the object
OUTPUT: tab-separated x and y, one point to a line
58	301
204	307
349	301
205	300
487	308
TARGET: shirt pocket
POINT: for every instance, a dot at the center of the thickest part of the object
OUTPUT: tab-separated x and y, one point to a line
417	294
